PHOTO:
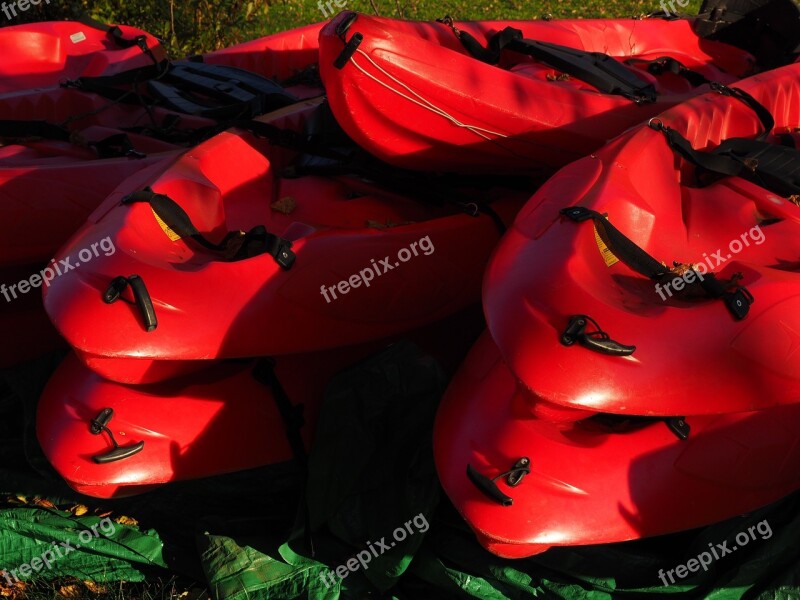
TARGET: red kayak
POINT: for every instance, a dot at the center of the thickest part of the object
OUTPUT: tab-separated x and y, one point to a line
525	484
223	419
63	150
662	288
547	93
234	260
49	53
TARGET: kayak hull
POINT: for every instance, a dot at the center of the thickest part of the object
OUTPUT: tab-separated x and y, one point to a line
370	263
548	268
595	481
460	114
51	52
219	420
48	187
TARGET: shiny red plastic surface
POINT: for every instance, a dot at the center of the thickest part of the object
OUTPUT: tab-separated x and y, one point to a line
692	356
592	481
413	96
425	261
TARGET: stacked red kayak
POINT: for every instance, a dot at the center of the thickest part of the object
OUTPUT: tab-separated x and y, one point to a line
640	376
65	148
555	92
289	235
275	238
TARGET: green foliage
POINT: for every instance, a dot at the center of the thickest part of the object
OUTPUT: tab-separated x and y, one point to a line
186	26
193	26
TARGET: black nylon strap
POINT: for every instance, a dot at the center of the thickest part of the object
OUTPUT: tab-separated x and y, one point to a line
293	421
620	245
292	415
595	68
716	163
137	75
187	87
257	241
670	65
237	93
172	215
774	167
737	300
497	43
762	112
114	146
35	129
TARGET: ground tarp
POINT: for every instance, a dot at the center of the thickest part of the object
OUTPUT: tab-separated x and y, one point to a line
246	536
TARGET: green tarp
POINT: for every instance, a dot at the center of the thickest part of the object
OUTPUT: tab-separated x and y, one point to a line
371	474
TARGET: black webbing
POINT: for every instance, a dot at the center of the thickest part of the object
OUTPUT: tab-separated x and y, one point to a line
242	245
595	68
736	298
293	421
667	64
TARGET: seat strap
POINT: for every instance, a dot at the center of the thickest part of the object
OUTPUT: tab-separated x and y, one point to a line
236	245
667	64
600	70
33	129
238	93
772	166
195	88
294	421
736	298
114	146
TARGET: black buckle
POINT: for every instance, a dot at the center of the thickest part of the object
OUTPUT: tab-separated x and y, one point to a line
284	255
738	302
679	427
578	213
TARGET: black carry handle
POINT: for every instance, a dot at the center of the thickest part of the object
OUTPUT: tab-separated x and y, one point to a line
598	340
140	295
99	425
514	477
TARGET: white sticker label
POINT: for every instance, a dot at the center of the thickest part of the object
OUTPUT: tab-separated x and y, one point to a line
77	37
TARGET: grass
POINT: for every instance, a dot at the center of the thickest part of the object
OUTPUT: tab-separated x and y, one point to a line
286	14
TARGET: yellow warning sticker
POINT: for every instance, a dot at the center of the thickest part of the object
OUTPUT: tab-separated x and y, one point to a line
174	237
608	256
